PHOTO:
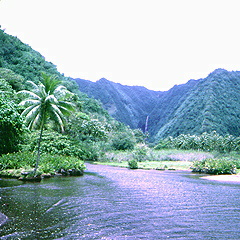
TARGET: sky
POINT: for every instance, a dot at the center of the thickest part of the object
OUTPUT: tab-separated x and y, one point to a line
151	43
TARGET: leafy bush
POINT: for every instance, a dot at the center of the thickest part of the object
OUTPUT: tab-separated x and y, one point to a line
57	162
140	153
54	143
139	135
123	141
133	164
89	152
216	166
11	125
17	160
81	127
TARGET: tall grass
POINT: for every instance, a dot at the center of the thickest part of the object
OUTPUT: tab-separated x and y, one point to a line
198	161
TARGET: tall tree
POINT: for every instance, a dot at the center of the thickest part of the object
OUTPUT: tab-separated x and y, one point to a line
46	101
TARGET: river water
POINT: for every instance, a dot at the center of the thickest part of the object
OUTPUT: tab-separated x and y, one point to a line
118	203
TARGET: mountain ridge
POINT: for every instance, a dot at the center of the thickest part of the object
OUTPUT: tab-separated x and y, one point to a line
115	98
203	105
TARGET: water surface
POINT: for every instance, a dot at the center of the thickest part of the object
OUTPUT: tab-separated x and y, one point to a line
117	203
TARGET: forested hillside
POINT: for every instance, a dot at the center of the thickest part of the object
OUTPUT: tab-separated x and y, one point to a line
88	131
20	63
204	105
213	104
167	105
130	105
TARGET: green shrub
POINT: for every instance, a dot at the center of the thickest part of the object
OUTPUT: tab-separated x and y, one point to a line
17	160
133	164
164	144
54	143
11	124
140	153
57	162
123	141
215	166
90	152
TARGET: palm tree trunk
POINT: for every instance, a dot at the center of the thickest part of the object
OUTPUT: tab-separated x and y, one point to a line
38	150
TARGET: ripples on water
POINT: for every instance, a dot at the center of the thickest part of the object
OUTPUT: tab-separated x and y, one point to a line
117	203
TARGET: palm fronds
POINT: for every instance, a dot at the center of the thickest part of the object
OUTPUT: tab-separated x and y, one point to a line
46	101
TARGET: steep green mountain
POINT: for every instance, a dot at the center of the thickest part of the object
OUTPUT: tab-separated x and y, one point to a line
128	104
137	106
204	105
167	105
22	59
213	104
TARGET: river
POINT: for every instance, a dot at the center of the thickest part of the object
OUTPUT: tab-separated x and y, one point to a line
118	203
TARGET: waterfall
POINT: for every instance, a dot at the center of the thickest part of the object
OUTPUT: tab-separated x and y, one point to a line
146	124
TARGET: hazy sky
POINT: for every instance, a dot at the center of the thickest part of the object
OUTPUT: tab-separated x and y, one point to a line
152	43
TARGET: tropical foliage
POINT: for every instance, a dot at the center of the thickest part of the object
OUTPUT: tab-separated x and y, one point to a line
53	143
88	131
11	126
16	81
123	141
45	101
24	161
216	166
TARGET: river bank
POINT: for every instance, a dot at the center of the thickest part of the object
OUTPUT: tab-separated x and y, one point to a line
173	165
152	165
224	178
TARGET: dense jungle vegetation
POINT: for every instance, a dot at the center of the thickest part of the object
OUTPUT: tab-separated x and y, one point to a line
200	115
89	130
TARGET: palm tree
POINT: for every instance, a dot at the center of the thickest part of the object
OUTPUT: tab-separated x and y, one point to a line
45	102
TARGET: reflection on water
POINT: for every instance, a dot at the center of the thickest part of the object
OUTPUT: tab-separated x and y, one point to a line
117	203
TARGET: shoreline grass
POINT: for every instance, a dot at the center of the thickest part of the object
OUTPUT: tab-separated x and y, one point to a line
167	159
153	165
